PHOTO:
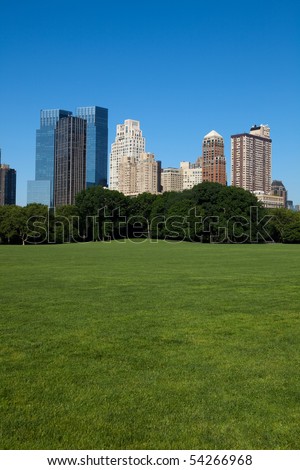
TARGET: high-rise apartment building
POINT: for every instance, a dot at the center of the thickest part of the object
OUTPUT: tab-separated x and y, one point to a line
70	159
191	173
141	176
171	179
7	185
96	144
251	159
127	176
214	162
129	142
148	174
41	190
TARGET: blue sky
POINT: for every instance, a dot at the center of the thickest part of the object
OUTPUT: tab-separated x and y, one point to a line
180	68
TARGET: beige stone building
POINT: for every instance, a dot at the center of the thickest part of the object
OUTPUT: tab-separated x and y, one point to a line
139	176
127	183
171	179
270	200
191	173
148	174
129	142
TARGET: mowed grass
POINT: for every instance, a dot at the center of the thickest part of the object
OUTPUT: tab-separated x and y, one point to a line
150	346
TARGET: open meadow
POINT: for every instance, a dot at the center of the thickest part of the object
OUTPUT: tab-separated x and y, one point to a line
128	345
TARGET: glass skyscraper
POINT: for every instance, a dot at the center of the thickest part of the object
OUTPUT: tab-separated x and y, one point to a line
70	159
96	144
42	189
7	185
44	161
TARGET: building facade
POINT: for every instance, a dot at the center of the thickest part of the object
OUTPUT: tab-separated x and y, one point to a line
171	179
41	190
270	201
7	185
214	162
278	189
127	176
70	159
96	144
191	173
148	174
251	155
129	142
142	176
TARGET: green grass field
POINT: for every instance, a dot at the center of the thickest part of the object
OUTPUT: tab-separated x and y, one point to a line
150	346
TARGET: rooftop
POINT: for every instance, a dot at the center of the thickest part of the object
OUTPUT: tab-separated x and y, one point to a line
212	134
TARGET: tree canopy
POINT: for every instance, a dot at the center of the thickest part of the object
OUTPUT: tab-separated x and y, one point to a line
209	212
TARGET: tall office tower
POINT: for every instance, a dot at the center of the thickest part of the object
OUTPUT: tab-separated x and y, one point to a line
148	174
129	142
251	159
171	179
70	159
7	185
41	190
96	144
214	162
191	173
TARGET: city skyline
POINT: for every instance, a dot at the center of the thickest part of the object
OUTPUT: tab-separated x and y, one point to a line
180	70
83	111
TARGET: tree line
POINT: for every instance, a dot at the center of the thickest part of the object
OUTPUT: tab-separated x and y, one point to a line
207	213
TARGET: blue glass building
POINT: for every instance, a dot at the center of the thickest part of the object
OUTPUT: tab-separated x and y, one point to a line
39	192
44	160
96	144
42	189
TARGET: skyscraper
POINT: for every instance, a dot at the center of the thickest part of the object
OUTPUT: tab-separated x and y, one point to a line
70	159
41	190
251	159
96	144
214	162
129	142
7	185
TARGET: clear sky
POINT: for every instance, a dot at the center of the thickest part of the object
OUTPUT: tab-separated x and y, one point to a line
182	68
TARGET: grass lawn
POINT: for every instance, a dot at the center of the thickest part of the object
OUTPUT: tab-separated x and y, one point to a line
150	346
